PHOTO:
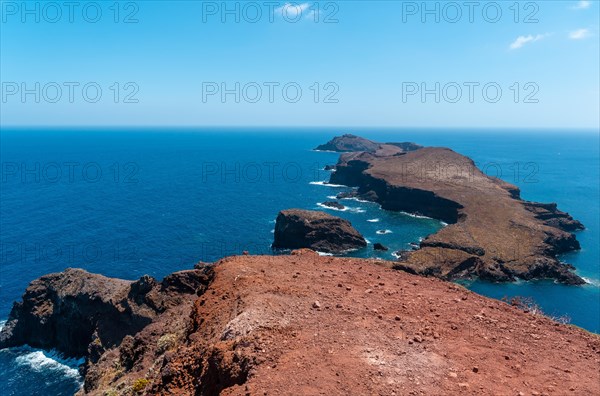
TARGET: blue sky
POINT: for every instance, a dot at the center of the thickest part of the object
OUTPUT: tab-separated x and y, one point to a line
356	63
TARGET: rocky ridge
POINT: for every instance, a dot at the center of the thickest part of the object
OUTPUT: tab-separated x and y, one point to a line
305	324
492	233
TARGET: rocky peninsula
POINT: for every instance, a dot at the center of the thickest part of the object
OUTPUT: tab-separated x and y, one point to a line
492	233
302	323
299	324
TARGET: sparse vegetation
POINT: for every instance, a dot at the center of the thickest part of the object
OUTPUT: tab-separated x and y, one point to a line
165	343
140	384
528	304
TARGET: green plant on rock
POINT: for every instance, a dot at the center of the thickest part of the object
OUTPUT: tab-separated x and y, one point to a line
140	384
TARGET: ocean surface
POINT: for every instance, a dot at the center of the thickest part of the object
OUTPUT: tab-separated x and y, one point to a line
126	203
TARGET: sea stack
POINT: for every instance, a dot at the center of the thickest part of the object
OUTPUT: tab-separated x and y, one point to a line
315	230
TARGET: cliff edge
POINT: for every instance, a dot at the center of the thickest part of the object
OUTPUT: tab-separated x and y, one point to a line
305	324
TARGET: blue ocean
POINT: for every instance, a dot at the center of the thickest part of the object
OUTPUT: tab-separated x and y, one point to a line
126	203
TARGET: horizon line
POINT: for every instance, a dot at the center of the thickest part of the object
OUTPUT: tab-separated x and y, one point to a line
199	127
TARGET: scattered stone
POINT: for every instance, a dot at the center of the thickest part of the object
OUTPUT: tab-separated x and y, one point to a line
316	305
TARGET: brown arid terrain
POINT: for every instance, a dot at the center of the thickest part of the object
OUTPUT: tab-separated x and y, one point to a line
303	324
492	233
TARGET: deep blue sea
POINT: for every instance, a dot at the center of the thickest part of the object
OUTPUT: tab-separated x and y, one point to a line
126	203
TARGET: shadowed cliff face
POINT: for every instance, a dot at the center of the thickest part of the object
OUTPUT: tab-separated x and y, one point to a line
83	314
492	233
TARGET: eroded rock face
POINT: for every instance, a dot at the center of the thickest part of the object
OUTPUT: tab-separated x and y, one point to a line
83	314
295	228
492	233
246	324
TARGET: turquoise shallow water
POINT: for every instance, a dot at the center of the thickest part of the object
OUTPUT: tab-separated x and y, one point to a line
128	203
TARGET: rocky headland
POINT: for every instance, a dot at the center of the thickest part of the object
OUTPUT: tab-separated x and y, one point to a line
319	231
353	143
492	233
300	324
309	324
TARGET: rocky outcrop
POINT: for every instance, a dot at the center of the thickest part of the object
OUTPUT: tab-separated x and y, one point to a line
293	324
334	205
553	217
492	233
353	143
295	228
83	314
379	246
348	143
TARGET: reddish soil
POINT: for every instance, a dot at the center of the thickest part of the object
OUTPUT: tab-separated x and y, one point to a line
323	326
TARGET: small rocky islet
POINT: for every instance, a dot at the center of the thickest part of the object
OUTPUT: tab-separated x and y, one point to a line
289	324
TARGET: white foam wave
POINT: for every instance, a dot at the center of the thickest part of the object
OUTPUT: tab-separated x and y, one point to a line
357	210
366	240
2	324
416	216
324	254
373	220
383	232
356	199
331	197
38	360
332	208
443	223
395	254
326	184
590	281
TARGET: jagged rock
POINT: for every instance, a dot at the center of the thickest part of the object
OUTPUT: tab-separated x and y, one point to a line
379	246
334	204
81	314
295	228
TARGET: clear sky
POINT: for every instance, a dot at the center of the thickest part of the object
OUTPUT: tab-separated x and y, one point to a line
357	63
